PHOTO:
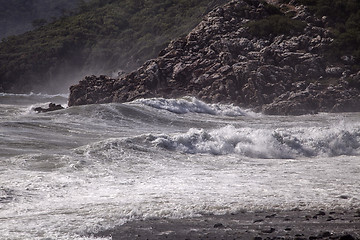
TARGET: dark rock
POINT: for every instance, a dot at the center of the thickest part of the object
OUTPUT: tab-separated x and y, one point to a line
219	225
325	234
347	237
344	197
221	61
271	230
258	220
321	213
52	107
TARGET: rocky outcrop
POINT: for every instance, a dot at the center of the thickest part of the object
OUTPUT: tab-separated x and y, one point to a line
52	107
222	61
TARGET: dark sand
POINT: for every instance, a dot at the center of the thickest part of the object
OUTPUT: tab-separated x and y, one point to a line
294	224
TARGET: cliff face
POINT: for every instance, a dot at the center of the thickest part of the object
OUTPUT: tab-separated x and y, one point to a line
245	53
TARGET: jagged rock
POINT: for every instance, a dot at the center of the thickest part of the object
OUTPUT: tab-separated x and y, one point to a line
52	107
221	61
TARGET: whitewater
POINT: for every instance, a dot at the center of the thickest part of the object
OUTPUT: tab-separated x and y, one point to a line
70	173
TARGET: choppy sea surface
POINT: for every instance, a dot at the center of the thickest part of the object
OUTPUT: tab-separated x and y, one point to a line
76	171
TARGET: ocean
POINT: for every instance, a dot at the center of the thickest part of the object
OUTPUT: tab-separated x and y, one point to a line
69	173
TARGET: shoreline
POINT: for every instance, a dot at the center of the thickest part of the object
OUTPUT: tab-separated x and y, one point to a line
259	225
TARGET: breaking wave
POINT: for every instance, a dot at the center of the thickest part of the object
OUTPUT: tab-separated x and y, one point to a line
193	105
68	173
264	143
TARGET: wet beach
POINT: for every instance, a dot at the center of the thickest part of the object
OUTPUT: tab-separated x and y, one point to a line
293	224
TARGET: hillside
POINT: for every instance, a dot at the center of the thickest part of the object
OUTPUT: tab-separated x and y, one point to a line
343	18
284	59
104	36
19	16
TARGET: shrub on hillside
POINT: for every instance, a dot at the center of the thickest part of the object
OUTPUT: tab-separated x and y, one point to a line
344	19
275	25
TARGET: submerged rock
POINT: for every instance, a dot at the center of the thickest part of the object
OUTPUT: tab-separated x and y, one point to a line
221	60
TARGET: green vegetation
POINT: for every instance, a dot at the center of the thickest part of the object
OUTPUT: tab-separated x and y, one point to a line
275	24
104	35
344	19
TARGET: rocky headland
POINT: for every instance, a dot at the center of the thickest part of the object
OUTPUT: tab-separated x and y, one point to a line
232	56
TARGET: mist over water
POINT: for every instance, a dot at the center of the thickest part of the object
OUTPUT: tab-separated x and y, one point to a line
68	173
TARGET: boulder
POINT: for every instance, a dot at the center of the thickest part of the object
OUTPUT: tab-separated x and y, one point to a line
52	107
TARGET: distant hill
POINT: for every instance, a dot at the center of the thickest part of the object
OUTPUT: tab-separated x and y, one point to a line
19	16
103	36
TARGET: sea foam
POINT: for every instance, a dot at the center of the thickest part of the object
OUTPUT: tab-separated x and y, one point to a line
264	143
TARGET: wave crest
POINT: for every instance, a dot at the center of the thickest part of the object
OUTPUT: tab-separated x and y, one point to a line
193	105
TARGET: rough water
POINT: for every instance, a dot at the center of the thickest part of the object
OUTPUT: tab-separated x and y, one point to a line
73	172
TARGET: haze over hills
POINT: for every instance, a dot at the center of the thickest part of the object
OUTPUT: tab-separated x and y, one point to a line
102	37
19	16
